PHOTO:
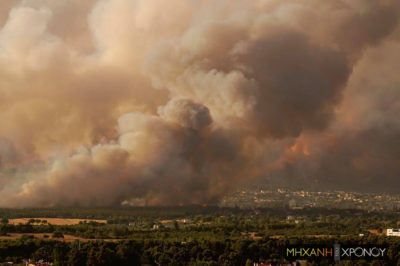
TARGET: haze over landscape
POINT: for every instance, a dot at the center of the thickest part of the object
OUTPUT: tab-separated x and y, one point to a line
104	102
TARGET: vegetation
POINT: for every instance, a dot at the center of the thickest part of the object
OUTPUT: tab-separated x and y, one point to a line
189	235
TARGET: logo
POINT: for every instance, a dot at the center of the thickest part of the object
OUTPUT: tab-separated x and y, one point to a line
336	252
308	252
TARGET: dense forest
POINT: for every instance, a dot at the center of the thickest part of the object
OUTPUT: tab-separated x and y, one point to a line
159	252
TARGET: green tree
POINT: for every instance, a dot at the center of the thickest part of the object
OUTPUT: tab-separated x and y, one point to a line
76	256
58	234
42	254
176	225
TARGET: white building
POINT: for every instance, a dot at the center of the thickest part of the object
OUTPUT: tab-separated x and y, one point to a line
393	232
156	226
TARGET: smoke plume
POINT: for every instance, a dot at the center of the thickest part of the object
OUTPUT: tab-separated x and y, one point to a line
109	102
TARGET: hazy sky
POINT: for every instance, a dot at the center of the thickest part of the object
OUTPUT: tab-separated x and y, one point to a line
110	101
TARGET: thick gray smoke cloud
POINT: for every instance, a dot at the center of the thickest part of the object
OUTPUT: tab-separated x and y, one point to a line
163	102
359	151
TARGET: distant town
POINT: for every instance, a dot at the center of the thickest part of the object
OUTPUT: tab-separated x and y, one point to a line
264	197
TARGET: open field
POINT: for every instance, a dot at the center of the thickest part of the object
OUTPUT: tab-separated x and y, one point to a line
67	238
55	221
375	232
306	236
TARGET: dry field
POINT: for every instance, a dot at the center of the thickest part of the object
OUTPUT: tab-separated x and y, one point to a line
307	236
375	232
55	221
67	238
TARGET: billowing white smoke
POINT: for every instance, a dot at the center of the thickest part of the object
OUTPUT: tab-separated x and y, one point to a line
177	101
